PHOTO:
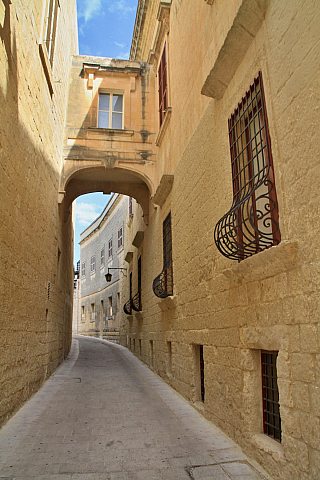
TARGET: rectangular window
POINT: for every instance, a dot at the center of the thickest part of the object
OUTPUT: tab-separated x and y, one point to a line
93	264
102	256
163	283
270	395
252	224
110	306
82	314
110	248
167	241
169	361
83	269
120	238
163	85
151	353
199	373
130	207
101	311
93	312
110	113
50	28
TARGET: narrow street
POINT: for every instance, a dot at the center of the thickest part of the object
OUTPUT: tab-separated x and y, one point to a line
105	415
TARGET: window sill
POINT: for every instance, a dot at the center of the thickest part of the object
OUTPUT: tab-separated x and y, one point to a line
268	445
164	126
111	131
46	66
269	262
168	303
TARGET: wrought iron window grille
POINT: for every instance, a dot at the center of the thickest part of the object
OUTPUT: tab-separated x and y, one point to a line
127	307
136	299
252	224
163	283
270	395
136	302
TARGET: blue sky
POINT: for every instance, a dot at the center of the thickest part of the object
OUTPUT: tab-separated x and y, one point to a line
105	30
106	27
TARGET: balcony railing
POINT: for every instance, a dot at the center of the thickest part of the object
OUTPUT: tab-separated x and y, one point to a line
163	283
136	302
127	307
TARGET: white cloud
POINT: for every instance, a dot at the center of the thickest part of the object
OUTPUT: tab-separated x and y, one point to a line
90	9
123	55
86	213
121	45
121	7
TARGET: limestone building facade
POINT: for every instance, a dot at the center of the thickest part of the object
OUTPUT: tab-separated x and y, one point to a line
213	130
37	40
102	252
230	257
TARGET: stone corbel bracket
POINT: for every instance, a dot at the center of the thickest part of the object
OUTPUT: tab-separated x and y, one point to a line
163	190
246	25
162	29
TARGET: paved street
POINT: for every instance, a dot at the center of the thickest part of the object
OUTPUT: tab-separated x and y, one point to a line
105	415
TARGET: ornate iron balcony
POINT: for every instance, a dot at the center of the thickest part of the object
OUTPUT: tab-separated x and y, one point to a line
163	283
136	302
251	225
127	307
246	229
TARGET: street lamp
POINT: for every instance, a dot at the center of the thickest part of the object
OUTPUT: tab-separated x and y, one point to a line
109	276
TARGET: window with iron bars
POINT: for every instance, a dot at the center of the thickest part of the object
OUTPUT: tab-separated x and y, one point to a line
163	283
252	223
270	395
163	85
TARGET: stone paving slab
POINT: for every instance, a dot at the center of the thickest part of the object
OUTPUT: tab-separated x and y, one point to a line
104	415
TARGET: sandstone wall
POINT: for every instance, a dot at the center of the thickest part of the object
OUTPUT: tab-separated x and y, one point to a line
36	238
271	300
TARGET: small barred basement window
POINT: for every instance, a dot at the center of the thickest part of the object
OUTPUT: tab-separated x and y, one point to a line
252	224
270	395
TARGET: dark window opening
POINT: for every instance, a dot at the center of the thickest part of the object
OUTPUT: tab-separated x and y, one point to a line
127	308
163	85
270	395
202	389
136	299
163	283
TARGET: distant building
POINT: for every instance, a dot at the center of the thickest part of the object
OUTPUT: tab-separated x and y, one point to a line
101	251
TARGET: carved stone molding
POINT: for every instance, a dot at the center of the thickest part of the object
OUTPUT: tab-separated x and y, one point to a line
245	26
163	190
